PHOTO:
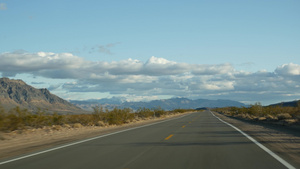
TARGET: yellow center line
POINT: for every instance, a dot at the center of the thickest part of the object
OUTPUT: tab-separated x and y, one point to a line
167	138
183	126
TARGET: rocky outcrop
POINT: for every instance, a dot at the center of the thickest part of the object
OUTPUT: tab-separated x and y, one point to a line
17	93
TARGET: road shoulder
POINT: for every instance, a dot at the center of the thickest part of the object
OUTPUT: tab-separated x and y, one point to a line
283	141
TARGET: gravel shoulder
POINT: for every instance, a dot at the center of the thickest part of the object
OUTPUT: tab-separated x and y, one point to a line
282	140
22	142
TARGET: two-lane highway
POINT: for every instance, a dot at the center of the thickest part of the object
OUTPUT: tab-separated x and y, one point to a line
198	140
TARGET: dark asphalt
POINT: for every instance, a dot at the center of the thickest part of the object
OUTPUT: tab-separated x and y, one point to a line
196	141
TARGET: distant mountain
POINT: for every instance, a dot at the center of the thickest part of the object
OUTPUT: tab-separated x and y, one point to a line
166	104
113	101
287	104
182	103
105	102
17	93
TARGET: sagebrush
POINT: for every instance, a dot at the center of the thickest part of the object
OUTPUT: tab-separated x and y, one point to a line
18	118
259	112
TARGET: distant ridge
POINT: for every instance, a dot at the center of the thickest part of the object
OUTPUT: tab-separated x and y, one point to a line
166	104
17	93
287	104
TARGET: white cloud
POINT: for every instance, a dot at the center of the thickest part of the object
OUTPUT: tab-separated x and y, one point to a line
213	69
157	76
159	61
15	63
288	69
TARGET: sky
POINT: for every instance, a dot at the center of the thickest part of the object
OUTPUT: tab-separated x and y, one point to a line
248	51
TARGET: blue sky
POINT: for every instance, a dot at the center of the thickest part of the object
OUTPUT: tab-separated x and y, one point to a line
242	50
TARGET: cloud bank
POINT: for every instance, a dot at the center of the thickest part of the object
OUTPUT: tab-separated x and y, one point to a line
157	76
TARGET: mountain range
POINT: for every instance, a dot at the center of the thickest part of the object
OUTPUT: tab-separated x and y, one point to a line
166	104
17	93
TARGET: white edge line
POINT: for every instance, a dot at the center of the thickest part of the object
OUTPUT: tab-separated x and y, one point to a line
86	140
282	161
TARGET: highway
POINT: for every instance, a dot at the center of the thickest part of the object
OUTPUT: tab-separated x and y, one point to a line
195	141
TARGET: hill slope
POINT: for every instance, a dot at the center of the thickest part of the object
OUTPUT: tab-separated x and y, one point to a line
295	103
17	93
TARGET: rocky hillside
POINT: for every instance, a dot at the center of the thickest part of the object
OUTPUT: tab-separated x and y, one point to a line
17	93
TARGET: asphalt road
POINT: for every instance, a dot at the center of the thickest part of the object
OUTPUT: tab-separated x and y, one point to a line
198	140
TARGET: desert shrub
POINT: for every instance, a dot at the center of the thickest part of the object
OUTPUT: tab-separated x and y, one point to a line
18	118
77	125
144	113
159	112
2	116
40	119
180	110
84	119
256	109
98	114
119	116
259	112
57	119
100	123
284	116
